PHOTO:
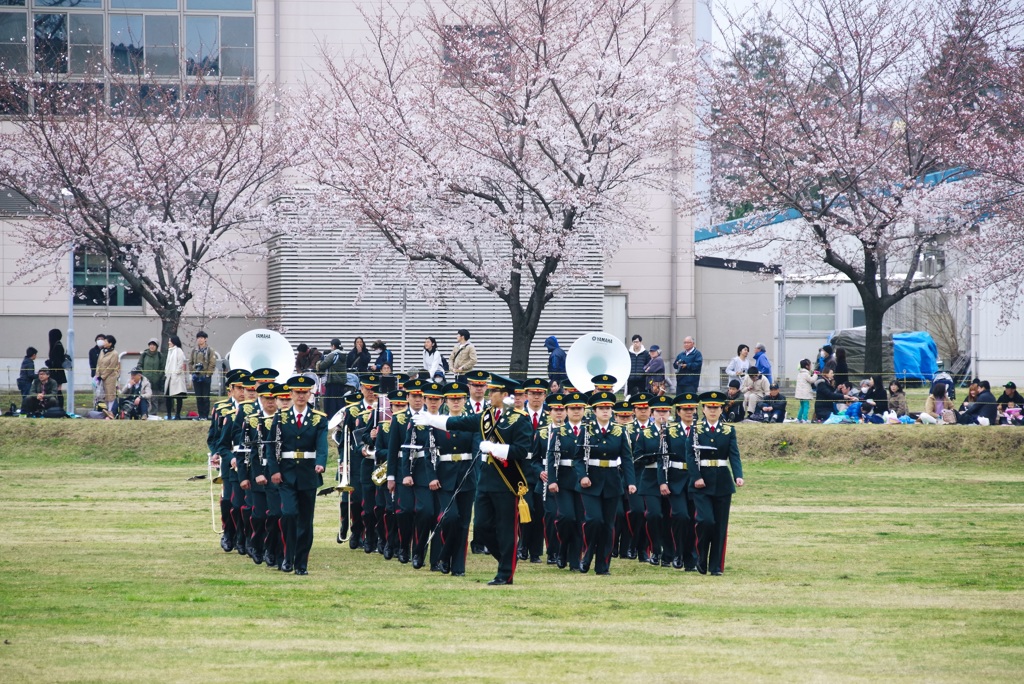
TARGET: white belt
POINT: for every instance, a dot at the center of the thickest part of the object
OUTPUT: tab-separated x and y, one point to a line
713	463
604	464
566	462
413	455
454	458
239	450
298	454
680	465
648	467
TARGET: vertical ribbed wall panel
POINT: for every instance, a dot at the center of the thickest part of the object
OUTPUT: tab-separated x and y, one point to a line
316	292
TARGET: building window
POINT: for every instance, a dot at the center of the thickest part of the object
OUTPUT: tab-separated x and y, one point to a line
97	285
14	41
220	46
857	316
811	313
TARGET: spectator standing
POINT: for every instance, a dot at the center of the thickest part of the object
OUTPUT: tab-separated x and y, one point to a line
433	359
737	368
556	360
754	388
201	364
335	367
841	367
137	395
306	358
828	360
94	353
108	370
897	398
55	359
42	394
358	359
654	371
463	356
175	374
764	366
688	365
384	355
28	372
639	357
804	391
152	363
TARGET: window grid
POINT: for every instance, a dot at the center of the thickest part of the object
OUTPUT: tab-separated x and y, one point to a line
811	313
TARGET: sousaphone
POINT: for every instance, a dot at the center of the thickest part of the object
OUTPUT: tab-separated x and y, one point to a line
263	348
597	353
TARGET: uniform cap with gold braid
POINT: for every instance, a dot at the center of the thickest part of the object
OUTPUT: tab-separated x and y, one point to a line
456	389
281	390
249	381
568	387
300	382
416	386
402	378
268	389
604	382
712	398
433	389
575	399
536	384
663	402
236	375
688	399
398	397
641	399
602	399
478	377
265	374
555	400
353	398
501	382
623	407
369	380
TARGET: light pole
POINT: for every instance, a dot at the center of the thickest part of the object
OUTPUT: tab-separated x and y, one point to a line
70	407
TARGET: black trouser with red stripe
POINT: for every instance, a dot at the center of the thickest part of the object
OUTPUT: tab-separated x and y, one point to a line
424	518
454	527
567	518
497	528
598	520
273	541
712	528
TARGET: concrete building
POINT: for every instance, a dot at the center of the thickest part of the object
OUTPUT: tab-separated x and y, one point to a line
652	287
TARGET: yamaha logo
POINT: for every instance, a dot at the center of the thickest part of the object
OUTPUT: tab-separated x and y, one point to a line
598	338
262	336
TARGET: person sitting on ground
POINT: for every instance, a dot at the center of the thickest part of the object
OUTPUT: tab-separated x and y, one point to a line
897	398
732	410
773	406
878	396
1009	399
826	395
42	394
137	395
983	410
28	372
754	388
934	405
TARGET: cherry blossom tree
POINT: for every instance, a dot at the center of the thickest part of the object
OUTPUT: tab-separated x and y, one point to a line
170	183
504	139
860	135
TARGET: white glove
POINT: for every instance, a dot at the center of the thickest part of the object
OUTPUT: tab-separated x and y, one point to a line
509	400
499	451
421	419
486	446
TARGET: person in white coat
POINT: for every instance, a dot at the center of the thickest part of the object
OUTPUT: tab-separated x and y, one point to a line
433	359
175	372
804	391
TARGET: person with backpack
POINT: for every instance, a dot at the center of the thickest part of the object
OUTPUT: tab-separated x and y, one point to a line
433	360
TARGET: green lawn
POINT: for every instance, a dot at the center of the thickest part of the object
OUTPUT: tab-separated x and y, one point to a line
837	570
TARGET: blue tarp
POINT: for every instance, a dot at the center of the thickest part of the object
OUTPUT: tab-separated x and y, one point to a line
915	355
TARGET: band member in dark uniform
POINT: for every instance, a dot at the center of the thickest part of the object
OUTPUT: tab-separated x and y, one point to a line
562	483
623	544
419	466
384	503
221	412
299	472
656	463
457	475
502	486
712	482
605	472
254	431
681	520
531	545
403	495
634	532
233	497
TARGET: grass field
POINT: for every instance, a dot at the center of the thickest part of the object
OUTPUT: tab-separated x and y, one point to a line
856	553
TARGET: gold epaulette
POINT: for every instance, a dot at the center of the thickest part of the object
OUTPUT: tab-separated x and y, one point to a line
616	430
673	431
629	428
353	410
648	433
726	429
254	421
320	413
402	418
227	412
544	432
317	417
268	422
247	407
513	415
387	427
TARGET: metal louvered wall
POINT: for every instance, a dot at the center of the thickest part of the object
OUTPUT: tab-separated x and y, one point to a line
313	287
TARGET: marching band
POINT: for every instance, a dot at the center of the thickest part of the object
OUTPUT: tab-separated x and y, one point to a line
535	473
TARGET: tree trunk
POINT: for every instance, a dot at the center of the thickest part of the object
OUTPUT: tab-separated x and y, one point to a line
169	322
523	331
874	311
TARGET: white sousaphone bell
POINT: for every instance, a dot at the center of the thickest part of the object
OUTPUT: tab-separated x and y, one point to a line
597	353
263	348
